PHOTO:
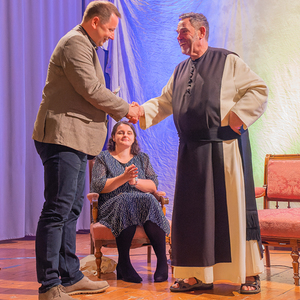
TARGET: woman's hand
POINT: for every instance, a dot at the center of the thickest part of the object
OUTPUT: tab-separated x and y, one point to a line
131	173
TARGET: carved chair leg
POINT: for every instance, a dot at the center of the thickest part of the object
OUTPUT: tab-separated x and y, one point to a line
92	249
168	241
148	254
295	257
267	254
98	255
170	253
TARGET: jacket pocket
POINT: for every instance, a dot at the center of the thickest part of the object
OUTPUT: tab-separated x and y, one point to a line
79	116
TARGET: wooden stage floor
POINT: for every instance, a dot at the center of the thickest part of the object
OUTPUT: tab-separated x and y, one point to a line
18	276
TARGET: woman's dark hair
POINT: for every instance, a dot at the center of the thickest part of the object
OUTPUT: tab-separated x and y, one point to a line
111	145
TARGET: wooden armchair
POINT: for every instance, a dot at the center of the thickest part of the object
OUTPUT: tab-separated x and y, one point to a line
281	226
101	236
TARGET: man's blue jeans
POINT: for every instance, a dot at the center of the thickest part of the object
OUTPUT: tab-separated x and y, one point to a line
64	176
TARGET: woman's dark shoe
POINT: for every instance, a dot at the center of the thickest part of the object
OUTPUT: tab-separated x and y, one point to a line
160	277
130	275
161	273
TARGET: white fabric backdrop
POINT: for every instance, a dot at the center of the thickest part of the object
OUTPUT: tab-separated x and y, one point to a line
263	33
142	58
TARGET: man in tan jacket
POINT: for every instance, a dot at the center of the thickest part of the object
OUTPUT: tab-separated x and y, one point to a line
70	125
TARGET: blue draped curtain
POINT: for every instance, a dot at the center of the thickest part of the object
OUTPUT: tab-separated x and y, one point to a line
140	60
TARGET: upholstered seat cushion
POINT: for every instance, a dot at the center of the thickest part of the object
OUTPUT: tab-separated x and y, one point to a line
280	222
101	232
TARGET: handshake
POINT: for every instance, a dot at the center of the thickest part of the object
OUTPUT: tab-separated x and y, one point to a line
135	112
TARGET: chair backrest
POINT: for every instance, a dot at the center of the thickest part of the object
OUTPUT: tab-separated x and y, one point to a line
91	164
282	178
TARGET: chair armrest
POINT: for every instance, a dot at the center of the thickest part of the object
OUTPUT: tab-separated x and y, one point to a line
161	197
93	198
260	192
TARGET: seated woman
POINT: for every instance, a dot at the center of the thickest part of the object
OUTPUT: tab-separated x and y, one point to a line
125	179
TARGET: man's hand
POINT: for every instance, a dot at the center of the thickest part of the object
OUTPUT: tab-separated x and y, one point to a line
133	113
141	109
134	106
235	122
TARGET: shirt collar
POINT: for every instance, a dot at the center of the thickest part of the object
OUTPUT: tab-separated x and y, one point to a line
92	42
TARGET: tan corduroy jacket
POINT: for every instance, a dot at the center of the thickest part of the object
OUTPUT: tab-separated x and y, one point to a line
76	102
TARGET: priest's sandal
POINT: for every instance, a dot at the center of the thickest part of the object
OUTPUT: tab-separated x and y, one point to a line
255	284
185	287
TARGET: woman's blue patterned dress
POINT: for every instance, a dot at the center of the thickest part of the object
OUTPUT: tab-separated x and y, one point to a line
126	205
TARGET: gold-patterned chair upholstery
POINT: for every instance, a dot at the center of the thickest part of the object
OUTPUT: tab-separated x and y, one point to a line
281	226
